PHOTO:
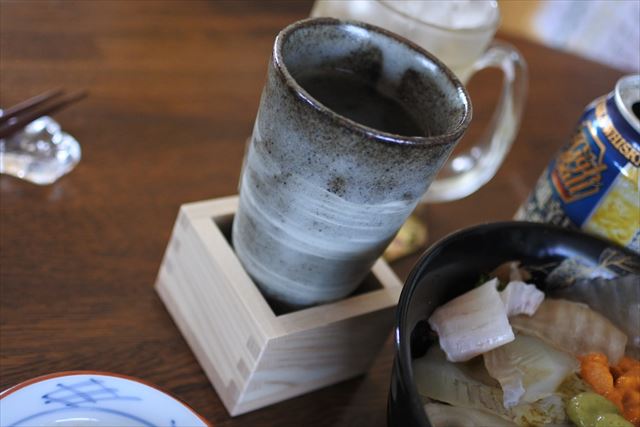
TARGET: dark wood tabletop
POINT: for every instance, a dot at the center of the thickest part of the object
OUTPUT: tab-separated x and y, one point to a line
174	89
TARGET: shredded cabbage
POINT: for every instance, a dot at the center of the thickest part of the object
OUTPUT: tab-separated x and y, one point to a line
617	299
574	328
528	369
441	415
438	379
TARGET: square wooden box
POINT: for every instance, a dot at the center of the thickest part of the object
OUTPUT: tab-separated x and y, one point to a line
253	356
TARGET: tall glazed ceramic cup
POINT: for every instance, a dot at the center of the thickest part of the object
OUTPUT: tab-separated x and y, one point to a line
322	193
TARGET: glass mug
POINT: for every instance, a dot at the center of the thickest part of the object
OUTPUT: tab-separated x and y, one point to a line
459	33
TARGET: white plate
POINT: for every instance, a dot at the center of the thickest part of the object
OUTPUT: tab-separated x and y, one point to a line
88	399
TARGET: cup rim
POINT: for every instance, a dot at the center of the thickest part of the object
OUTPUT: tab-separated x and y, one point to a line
493	25
413	141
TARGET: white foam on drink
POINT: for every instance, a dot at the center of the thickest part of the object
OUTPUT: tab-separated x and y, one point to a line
438	26
454	14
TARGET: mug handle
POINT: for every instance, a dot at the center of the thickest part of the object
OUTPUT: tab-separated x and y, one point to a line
468	171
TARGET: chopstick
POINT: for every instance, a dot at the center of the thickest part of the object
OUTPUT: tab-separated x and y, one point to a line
36	109
24	106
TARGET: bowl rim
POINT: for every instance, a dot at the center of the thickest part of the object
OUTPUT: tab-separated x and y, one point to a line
403	364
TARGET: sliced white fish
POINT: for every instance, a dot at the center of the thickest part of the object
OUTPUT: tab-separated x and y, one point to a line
473	323
521	298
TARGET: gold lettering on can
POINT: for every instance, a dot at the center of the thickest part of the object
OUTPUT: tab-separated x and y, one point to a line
578	170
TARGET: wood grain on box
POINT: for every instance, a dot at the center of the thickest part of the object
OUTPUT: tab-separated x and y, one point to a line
252	356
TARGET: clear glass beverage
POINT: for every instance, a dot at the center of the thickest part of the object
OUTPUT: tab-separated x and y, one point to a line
460	33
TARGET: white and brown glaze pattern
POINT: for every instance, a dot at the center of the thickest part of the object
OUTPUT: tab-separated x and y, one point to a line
321	196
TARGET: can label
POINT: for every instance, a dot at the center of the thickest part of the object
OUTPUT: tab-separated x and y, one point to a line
593	183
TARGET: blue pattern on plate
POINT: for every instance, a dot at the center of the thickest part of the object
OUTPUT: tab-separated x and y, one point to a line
89	409
85	395
91	391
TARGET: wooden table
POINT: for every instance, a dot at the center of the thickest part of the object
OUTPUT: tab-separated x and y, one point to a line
174	88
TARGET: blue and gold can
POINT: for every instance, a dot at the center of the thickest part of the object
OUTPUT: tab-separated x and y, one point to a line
594	181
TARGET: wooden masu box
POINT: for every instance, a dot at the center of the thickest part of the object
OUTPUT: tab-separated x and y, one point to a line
252	355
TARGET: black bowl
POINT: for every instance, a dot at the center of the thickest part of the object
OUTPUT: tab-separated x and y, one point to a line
451	267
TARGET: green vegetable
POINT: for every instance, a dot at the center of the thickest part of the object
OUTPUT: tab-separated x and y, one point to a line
611	420
571	386
587	408
484	278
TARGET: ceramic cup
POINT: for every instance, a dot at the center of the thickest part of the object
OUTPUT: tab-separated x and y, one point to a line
321	195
